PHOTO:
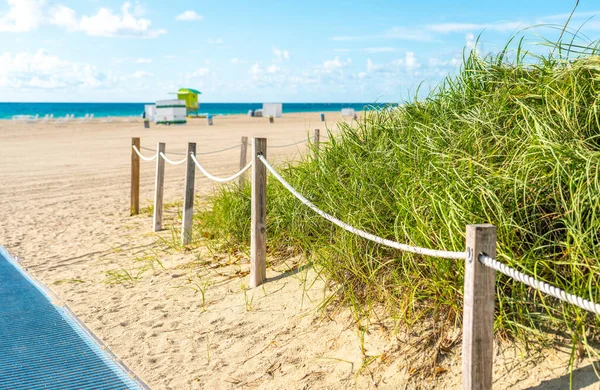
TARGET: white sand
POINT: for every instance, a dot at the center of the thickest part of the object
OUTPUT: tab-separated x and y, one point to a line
64	211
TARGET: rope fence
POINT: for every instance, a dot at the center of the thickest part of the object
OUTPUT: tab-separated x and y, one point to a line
479	256
358	232
142	156
220	179
171	161
201	153
288	145
192	163
539	285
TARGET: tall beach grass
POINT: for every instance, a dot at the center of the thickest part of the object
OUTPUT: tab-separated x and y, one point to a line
512	140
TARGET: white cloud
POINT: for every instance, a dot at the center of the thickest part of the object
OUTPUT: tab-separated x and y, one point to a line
65	17
255	70
404	33
409	61
139	9
43	70
142	60
140	74
200	72
22	16
434	62
446	28
28	15
405	66
330	65
105	23
236	61
273	68
379	49
470	40
563	17
189	16
281	54
217	41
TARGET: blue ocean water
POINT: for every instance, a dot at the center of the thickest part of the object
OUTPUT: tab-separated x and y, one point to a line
102	110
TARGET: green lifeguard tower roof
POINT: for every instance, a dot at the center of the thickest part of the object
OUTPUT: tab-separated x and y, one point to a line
190	96
183	91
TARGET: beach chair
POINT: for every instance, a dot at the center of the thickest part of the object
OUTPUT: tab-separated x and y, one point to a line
31	118
63	119
85	118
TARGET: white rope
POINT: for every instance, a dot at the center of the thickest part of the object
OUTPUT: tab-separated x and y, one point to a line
368	236
142	156
220	179
539	285
285	146
171	161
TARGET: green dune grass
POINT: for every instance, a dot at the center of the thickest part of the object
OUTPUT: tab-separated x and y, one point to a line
513	142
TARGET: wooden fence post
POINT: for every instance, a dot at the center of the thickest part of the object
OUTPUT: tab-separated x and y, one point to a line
478	310
258	233
135	177
159	187
316	140
188	197
243	158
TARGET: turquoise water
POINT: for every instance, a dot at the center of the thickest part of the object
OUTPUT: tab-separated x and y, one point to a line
102	110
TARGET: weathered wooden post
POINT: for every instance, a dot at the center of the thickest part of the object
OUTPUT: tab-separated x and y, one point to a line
243	158
478	311
135	177
316	140
159	187
258	233
188	197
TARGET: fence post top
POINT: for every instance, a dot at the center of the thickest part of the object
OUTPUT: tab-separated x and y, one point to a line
481	226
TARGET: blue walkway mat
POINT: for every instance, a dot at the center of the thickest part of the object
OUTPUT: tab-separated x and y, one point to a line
43	345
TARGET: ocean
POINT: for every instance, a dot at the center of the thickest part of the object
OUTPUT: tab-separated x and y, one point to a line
103	110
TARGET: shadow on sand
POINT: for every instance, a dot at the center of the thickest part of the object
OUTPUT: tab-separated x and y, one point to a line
289	273
583	377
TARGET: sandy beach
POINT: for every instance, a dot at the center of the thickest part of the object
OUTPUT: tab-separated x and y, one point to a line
186	320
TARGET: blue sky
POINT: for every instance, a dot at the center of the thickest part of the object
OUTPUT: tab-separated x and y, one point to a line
242	51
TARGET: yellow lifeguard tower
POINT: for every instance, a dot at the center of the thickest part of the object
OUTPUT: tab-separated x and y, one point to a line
190	97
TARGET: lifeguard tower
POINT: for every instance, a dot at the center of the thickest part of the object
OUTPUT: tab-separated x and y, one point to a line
190	97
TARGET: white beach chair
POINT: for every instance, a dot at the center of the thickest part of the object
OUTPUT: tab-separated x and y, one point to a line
85	118
64	119
31	118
